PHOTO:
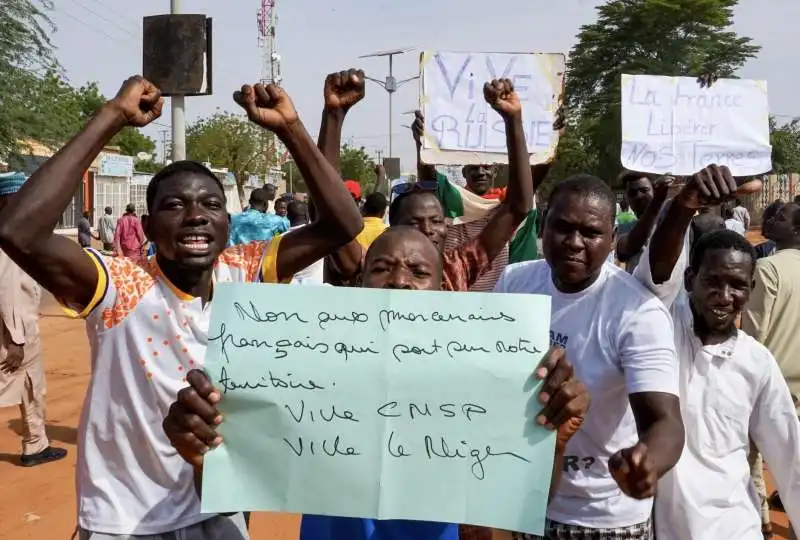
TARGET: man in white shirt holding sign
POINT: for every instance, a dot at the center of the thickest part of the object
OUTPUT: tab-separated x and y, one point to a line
731	387
619	338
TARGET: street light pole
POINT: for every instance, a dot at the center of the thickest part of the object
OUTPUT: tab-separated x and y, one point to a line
390	85
391	95
178	110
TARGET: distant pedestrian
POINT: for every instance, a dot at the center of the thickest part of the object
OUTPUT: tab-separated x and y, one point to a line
731	223
22	378
741	214
107	224
129	236
85	233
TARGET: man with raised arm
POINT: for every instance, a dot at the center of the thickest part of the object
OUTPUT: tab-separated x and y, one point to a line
619	338
422	209
147	321
731	388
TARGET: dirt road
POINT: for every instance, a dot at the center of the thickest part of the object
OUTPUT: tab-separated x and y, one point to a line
39	503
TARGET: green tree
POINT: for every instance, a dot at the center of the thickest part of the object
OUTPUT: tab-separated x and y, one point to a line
131	142
357	165
655	37
147	166
25	51
785	141
231	141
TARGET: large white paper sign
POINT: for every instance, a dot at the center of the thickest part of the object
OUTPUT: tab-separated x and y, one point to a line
670	125
461	128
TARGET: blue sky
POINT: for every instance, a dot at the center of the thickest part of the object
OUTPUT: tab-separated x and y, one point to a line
100	40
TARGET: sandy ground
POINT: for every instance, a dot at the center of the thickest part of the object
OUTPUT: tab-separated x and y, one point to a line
39	503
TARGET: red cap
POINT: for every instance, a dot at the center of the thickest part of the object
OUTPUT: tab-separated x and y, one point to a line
353	187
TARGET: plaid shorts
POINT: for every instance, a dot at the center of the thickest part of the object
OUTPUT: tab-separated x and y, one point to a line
560	531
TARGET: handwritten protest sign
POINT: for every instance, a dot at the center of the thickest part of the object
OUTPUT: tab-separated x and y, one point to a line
379	404
670	125
461	128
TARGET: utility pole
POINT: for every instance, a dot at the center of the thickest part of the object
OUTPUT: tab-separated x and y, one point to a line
178	111
390	84
164	133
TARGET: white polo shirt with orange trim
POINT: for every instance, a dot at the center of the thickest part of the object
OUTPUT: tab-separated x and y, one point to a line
145	335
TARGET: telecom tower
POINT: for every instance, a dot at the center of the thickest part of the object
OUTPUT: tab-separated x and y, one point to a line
267	22
271	73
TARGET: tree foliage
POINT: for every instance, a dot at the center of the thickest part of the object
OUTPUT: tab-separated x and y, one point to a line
655	37
357	165
36	101
231	141
785	141
25	50
354	162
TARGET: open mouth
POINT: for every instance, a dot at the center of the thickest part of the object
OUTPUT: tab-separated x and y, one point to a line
196	242
720	313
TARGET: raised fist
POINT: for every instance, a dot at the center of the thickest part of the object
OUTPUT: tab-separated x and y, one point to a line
662	184
713	185
138	101
344	89
268	106
501	96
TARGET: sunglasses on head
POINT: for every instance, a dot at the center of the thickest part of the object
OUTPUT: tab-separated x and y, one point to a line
408	187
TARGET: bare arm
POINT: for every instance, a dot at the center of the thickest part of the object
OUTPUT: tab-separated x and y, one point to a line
342	91
519	196
669	236
425	172
338	219
658	420
330	135
713	185
629	245
26	227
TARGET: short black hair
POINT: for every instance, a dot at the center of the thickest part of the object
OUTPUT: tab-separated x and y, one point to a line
626	177
725	240
297	213
396	207
727	212
257	196
174	169
375	204
589	186
771	211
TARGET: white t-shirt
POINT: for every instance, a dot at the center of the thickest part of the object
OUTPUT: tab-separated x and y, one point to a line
145	335
730	393
619	338
311	275
735	225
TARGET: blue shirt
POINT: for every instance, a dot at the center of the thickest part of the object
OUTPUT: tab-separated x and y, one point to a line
340	528
252	225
